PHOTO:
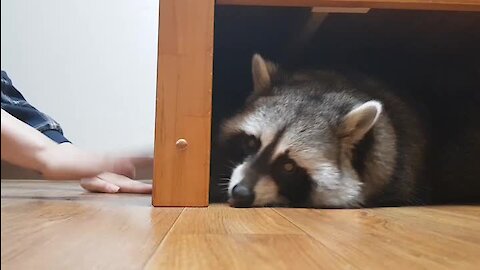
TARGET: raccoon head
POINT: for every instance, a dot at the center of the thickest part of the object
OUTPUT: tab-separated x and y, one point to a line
292	144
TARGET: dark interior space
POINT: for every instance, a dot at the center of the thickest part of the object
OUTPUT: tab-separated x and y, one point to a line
432	56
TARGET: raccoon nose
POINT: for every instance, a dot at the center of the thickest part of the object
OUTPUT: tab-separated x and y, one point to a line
242	196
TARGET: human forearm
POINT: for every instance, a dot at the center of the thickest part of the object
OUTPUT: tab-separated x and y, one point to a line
23	145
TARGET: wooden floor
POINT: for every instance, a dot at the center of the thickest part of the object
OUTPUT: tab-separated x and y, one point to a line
56	225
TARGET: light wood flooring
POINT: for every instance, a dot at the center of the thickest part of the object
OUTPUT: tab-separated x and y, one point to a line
57	225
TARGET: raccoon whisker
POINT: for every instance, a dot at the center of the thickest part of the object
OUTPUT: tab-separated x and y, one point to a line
223	181
223	184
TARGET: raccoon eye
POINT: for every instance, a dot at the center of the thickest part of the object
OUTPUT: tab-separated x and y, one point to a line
251	144
289	167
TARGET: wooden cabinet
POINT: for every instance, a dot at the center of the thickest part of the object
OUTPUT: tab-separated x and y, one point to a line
184	87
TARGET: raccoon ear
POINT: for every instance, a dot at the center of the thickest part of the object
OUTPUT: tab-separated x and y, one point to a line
262	71
360	120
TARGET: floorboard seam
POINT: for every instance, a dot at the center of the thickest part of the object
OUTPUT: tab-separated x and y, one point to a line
163	239
317	241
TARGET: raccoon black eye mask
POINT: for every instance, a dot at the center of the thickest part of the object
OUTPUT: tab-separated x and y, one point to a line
321	139
265	172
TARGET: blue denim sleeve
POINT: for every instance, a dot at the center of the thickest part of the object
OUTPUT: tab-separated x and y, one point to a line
14	103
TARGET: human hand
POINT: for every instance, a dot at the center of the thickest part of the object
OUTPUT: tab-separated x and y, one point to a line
67	162
120	180
98	173
113	183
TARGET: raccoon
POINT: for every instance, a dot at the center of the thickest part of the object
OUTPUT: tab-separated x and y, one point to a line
322	139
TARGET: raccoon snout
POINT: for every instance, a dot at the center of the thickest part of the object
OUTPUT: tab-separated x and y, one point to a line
242	196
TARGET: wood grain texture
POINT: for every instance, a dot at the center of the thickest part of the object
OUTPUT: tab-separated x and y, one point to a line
220	237
389	239
184	92
454	5
57	225
244	251
218	219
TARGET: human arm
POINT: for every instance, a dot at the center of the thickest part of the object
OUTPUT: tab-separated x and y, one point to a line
24	146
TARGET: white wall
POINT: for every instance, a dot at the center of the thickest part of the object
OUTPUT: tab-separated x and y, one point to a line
89	64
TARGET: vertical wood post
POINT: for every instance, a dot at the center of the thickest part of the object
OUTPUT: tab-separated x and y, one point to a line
183	105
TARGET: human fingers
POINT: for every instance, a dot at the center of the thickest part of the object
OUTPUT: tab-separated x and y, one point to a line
126	184
96	184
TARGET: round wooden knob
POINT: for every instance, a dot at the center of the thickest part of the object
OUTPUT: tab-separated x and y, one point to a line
181	143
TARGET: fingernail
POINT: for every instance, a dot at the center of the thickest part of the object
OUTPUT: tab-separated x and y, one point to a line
113	188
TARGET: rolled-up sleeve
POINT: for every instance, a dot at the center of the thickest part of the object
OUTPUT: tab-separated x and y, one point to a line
15	104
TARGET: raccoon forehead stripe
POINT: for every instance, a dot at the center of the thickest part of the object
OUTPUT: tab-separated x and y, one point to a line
263	158
281	149
267	138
